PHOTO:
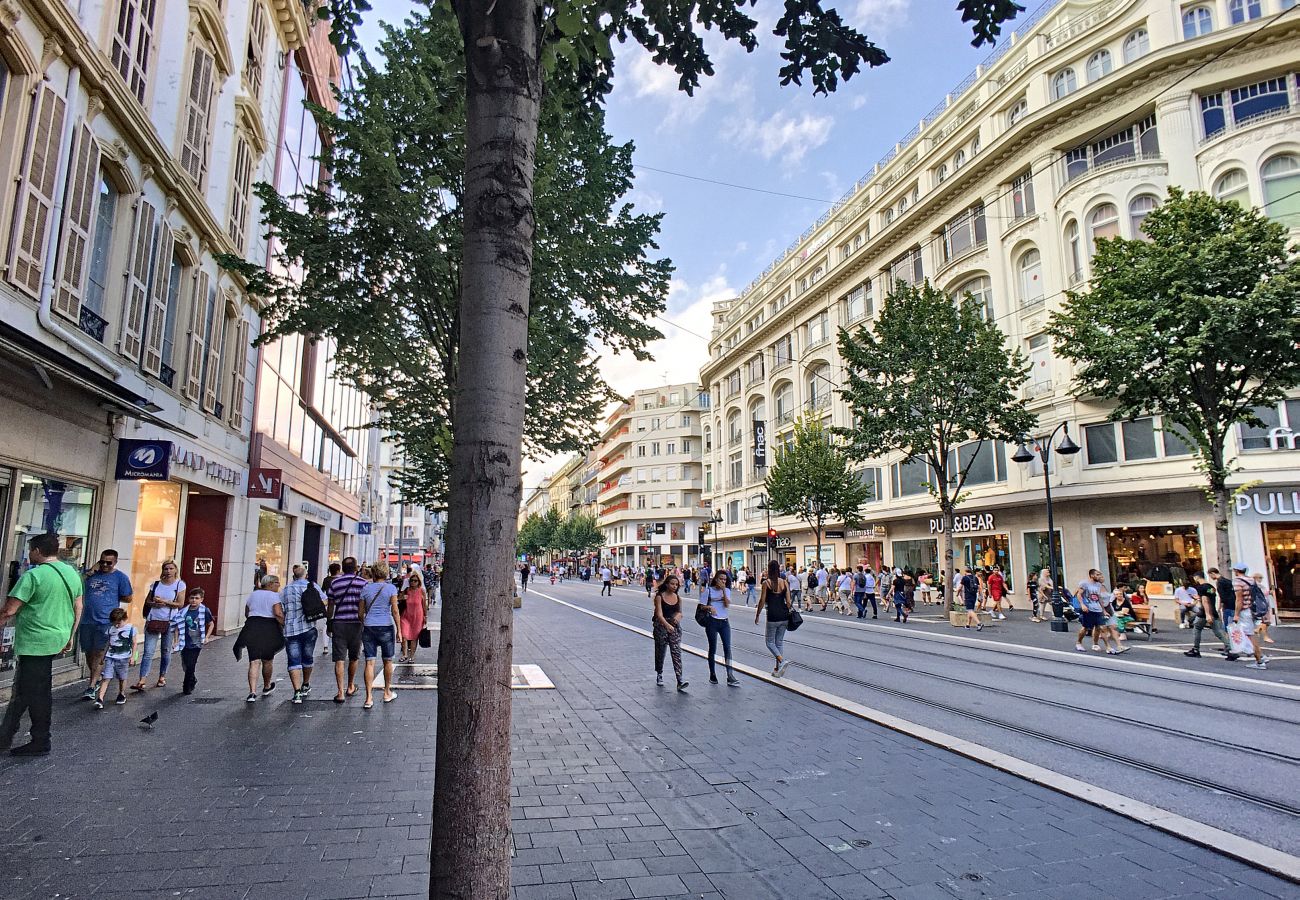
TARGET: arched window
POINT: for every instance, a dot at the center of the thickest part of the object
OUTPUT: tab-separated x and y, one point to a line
1241	10
734	433
1197	21
1103	222
889	215
1074	251
1099	65
784	403
981	289
1017	112
975	145
1030	269
97	277
819	386
1136	45
942	172
959	160
1063	83
1138	209
1281	177
758	411
708	438
902	205
1232	185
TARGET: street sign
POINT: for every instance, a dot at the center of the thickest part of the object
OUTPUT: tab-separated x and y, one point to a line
145	460
364	527
265	484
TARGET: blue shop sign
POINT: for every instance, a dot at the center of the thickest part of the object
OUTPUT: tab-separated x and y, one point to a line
363	528
147	460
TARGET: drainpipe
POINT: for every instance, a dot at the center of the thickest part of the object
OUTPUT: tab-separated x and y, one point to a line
44	311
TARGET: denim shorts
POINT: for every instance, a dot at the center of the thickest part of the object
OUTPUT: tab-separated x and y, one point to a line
301	649
92	637
377	640
115	668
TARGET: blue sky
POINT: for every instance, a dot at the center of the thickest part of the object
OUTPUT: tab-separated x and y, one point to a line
743	127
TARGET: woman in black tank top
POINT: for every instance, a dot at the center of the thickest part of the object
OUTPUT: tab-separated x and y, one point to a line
667	622
775	597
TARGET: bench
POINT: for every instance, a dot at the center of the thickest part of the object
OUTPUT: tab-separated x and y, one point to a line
1144	620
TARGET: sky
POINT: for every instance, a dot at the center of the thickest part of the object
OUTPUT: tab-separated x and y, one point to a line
742	127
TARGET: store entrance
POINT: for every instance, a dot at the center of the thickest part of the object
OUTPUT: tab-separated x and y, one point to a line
984	551
868	553
205	534
1282	544
311	549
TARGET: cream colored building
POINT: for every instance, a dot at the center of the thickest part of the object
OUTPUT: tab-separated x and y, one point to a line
1069	132
651	478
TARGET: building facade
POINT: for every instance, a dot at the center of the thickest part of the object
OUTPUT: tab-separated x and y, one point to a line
651	478
1070	132
408	532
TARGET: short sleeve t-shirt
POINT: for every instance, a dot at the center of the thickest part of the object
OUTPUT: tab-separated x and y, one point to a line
43	625
262	604
377	597
121	640
168	593
105	592
1207	593
715	596
345	595
1090	595
970	586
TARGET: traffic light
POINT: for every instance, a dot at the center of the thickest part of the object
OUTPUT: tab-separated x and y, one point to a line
771	536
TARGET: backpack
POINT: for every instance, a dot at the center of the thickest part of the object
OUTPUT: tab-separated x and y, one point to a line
313	607
860	581
1258	602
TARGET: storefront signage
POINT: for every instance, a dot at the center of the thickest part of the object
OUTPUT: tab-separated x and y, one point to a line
835	534
760	444
312	510
782	542
185	458
965	524
1271	503
758	543
660	528
265	484
363	527
867	531
202	565
1282	438
147	460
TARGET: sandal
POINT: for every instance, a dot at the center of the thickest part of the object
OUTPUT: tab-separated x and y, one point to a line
351	691
338	700
368	704
162	682
390	699
141	687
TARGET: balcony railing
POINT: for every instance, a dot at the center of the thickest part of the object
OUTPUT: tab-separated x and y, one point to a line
1032	302
1076	26
92	323
786	417
1072	171
617	507
817	341
820	402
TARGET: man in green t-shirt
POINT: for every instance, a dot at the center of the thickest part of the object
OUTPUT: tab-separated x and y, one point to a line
44	605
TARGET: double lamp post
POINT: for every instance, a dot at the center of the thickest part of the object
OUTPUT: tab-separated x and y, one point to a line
1043	450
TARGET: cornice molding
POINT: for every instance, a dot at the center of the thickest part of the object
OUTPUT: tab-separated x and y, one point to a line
291	21
248	119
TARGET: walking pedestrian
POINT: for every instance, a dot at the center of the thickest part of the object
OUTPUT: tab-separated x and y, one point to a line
1031	588
523	578
1207	616
969	586
1227	596
718	599
106	589
197	627
335	569
262	635
795	580
606	581
899	597
45	607
997	586
414	609
666	624
378	633
166	595
868	582
1091	616
774	596
823	585
344	624
844	590
1261	624
1043	600
299	634
117	658
1252	606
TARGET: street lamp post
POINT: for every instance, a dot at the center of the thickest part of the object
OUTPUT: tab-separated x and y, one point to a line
1024	455
762	504
714	521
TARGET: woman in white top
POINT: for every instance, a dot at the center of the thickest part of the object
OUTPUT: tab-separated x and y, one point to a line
1188	602
262	634
166	596
718	598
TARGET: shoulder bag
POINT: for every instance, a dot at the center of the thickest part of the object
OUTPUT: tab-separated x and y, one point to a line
702	611
154	626
796	619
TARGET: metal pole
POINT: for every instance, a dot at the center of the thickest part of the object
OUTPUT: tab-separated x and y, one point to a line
1058	608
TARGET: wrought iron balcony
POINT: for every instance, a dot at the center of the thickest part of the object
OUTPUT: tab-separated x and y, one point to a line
92	323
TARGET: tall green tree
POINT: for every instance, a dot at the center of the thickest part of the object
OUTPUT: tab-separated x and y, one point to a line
531	539
812	481
582	534
372	262
1199	324
510	49
552	531
931	375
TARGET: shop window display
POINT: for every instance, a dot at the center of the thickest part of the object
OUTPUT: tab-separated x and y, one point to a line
157	525
273	542
1163	553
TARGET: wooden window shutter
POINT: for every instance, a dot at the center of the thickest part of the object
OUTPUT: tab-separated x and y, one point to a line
212	370
157	318
198	110
135	302
79	210
198	333
239	194
256	51
133	43
36	194
239	377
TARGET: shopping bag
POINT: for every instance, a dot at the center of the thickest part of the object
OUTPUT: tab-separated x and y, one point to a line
1240	641
425	638
796	619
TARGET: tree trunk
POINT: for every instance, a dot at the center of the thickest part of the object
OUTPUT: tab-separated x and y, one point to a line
1222	506
470	855
948	555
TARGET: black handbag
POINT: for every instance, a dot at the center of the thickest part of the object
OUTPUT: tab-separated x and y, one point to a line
796	619
425	638
702	615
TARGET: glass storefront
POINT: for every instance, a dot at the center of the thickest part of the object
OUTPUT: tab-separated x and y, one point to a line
273	542
1168	554
1282	545
1037	552
984	551
914	556
867	553
157	530
810	554
336	546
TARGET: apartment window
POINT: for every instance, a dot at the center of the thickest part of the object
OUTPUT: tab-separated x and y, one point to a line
654	448
907	268
1103	222
735	470
670	448
1099	65
255	59
1263	98
708	439
101	245
708	478
198	116
686	445
1017	111
1030	269
240	190
733	512
963	233
871	477
889	215
1022	196
1136	45
1214	119
1242	10
857	302
212	371
177	277
981	290
941	173
1040	363
640	450
136	300
640	501
1063	83
1138	209
199	327
959	160
239	375
817	330
1140	139
734	433
910	477
819	386
1281	178
733	383
1232	185
160	327
754	369
1197	21
981	462
1282	415
687	421
1099	441
1074	250
784	403
782	351
36	193
75	242
1138	440
133	42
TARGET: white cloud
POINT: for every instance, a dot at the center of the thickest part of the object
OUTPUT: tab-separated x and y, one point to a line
645	77
858	102
877	18
784	134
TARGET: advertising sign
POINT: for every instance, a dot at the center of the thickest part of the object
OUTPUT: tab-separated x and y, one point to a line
147	460
265	484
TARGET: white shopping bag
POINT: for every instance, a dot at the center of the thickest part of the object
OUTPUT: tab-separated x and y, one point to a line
1240	641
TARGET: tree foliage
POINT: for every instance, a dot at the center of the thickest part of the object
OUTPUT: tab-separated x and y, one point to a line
372	261
812	480
532	538
931	375
1198	324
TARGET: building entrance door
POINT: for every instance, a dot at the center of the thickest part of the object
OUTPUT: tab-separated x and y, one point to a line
201	548
311	549
1282	544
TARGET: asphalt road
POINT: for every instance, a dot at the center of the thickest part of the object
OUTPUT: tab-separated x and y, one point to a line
1206	739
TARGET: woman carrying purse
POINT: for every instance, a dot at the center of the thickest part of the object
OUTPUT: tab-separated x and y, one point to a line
166	595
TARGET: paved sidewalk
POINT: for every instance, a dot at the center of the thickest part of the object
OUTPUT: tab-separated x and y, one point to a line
623	790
